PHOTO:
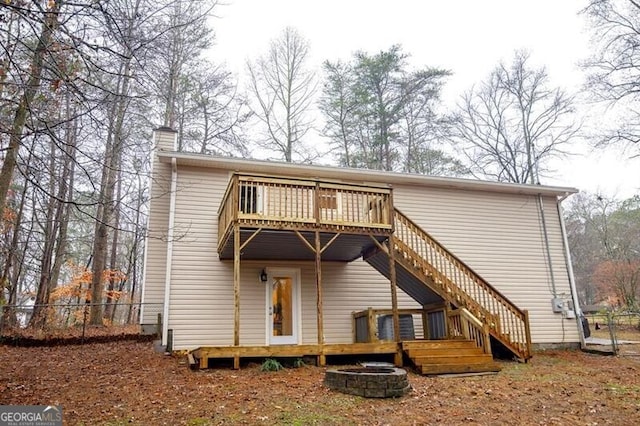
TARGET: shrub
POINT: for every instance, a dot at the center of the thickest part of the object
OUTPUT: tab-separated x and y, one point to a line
271	364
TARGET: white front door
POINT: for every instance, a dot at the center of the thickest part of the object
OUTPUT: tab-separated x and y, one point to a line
283	306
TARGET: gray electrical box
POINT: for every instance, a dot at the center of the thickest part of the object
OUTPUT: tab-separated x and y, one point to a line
557	304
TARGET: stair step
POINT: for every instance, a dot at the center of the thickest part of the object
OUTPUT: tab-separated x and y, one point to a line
452	359
413	353
439	344
459	368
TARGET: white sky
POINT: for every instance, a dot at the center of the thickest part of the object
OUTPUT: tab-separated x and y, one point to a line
467	37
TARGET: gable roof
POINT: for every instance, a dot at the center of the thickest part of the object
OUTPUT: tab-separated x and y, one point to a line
363	176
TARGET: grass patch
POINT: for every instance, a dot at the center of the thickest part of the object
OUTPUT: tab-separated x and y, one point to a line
199	421
305	416
623	389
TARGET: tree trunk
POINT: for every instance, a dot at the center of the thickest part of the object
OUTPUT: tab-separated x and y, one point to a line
113	266
49	26
39	317
7	280
68	181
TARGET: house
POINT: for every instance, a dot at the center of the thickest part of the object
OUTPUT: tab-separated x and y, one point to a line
254	259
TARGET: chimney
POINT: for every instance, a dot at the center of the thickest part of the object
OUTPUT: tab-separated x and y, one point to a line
165	139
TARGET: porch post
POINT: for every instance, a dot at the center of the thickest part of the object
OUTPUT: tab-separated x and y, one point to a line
318	249
394	299
236	285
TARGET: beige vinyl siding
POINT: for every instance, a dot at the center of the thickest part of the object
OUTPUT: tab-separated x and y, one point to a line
346	288
500	236
355	286
201	298
156	242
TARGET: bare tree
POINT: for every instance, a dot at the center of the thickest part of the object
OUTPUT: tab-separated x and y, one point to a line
283	90
614	68
211	115
512	123
604	235
184	34
73	101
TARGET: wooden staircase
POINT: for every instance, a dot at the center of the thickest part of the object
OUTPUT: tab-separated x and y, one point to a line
449	357
427	270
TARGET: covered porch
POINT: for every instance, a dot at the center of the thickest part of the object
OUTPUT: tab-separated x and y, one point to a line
268	218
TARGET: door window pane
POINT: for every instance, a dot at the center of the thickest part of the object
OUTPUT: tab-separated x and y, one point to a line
281	299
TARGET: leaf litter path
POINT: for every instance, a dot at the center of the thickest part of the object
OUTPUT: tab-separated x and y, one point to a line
126	383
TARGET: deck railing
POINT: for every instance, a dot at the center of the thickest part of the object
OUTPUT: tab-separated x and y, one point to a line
282	203
458	283
462	324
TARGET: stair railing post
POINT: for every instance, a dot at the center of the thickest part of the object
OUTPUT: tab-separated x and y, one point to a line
486	339
447	320
464	325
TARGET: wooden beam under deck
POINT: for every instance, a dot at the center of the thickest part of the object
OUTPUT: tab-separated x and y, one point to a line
237	352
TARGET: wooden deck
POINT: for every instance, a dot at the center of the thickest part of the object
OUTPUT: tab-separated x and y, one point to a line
203	354
267	203
427	356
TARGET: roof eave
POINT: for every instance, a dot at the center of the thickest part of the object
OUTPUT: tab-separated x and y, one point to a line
359	175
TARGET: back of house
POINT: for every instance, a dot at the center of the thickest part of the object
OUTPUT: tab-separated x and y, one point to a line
256	254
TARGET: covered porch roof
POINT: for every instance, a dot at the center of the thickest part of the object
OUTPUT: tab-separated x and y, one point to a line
291	245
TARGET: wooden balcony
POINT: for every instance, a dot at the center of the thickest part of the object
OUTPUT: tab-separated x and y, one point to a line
279	216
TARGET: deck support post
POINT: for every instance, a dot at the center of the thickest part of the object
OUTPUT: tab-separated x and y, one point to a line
318	250
527	332
425	324
236	286
203	362
394	300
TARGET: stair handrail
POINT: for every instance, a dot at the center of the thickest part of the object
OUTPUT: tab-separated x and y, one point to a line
461	262
501	315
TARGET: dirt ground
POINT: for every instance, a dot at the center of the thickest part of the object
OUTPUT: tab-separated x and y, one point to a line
127	383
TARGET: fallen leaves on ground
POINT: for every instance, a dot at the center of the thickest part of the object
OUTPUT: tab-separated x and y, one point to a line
126	382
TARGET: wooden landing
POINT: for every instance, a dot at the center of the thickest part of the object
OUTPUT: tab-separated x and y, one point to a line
449	357
203	354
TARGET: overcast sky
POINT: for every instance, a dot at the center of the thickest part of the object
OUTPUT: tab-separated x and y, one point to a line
467	37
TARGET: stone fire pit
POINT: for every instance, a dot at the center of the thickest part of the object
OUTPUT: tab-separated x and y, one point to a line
369	382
